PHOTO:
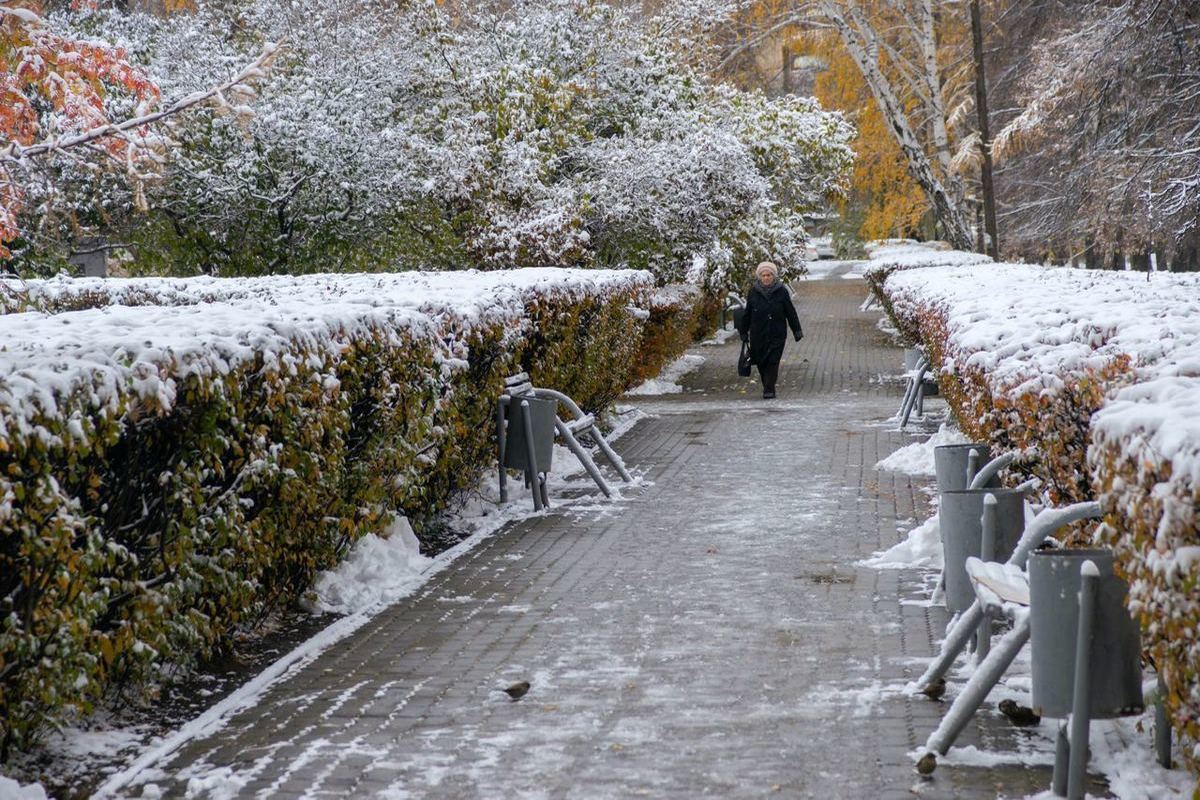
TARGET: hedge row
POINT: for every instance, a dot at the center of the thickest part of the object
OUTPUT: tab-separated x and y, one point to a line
1145	462
171	472
1096	375
895	255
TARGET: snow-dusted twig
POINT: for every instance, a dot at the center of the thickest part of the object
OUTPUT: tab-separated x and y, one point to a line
257	69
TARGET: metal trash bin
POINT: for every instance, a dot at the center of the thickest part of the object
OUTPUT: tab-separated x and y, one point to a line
737	314
542	414
960	518
1115	666
950	465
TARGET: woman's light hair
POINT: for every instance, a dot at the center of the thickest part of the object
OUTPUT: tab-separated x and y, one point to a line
766	266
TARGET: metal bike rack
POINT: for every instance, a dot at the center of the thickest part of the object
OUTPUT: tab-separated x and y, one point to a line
531	403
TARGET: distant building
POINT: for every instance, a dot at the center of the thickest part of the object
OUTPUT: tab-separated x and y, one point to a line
785	72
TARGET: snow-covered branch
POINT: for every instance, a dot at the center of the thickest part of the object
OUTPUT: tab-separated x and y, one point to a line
237	85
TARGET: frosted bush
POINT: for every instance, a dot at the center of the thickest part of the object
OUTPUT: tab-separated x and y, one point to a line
563	133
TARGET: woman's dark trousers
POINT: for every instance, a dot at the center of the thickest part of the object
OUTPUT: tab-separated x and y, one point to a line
769	372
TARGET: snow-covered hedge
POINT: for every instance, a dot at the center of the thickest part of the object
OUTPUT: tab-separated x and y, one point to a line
1099	373
678	315
891	255
1145	462
183	455
894	255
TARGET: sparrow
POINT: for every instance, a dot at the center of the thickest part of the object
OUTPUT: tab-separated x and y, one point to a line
927	764
935	690
517	690
1019	715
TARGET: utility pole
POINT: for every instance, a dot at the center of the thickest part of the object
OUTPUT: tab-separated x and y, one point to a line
787	69
985	135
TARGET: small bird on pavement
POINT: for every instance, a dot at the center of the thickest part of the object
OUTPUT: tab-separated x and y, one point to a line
517	690
935	690
927	764
1019	715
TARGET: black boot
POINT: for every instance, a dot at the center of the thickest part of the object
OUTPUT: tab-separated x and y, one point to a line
769	373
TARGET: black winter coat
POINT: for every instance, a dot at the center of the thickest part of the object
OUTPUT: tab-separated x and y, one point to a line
768	315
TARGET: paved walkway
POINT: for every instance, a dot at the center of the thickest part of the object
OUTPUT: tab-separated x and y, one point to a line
710	637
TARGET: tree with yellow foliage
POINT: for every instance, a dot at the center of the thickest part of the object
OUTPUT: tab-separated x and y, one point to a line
892	65
884	201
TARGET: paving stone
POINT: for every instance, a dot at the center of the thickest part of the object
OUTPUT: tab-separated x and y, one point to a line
708	635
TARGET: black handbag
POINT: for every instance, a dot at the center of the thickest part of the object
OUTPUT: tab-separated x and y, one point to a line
744	360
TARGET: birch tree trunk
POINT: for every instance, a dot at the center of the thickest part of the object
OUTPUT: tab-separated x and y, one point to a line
862	44
927	37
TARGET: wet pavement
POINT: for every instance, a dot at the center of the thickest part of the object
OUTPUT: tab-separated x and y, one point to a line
710	636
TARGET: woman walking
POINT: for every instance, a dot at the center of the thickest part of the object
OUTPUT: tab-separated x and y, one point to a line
769	313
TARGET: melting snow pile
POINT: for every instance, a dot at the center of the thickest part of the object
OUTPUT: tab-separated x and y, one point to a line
379	570
667	380
917	458
921	548
11	790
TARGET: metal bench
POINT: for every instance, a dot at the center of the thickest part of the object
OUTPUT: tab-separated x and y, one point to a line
919	384
998	658
532	453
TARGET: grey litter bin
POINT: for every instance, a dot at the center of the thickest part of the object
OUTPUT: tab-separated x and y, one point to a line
737	314
542	414
960	518
1115	666
950	465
